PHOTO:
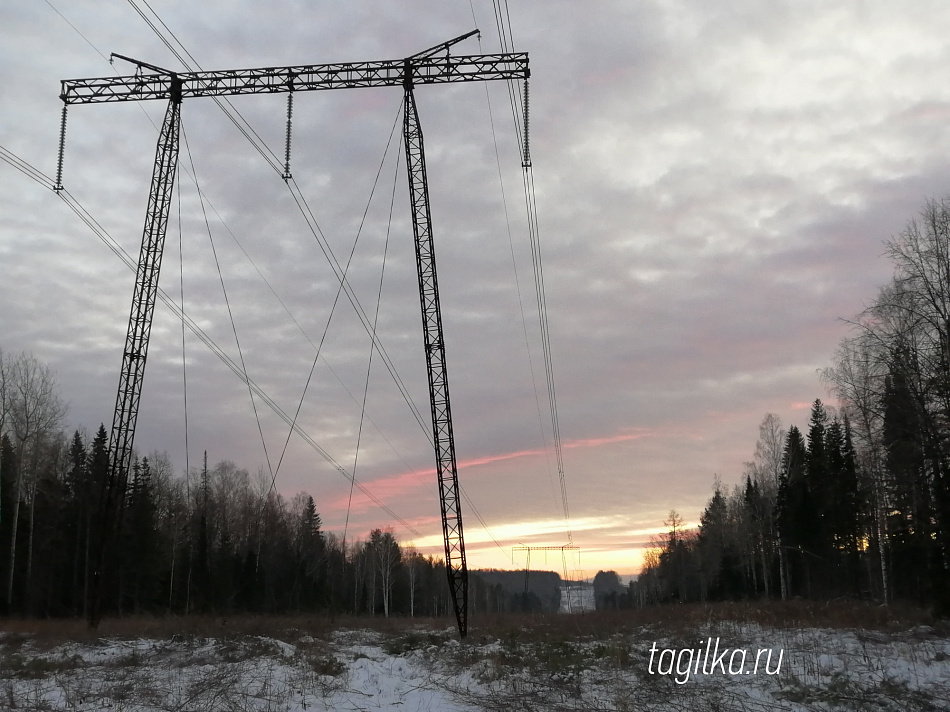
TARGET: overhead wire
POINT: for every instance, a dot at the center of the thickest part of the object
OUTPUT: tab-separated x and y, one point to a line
348	290
273	471
336	299
227	301
184	378
184	369
110	242
519	116
76	29
514	266
25	168
223	102
287	311
372	348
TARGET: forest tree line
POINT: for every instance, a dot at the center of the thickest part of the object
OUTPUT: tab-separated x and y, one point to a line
218	541
857	505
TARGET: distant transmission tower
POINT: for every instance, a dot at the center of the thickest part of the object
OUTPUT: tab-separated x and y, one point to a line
527	565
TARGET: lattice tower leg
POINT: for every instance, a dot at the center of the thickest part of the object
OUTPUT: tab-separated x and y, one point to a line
136	349
455	566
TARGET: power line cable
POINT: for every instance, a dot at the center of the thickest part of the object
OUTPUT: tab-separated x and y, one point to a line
336	300
519	117
169	302
372	348
26	169
223	103
76	29
227	301
184	369
514	265
184	378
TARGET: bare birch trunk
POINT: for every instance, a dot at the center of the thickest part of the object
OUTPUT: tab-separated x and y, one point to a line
13	530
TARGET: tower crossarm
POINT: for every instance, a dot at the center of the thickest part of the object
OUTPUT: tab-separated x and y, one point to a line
305	77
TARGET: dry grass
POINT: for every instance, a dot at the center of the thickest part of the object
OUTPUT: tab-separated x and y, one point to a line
683	620
672	618
47	633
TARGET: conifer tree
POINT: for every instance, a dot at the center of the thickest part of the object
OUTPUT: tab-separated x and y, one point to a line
98	477
796	516
141	550
712	545
849	507
820	490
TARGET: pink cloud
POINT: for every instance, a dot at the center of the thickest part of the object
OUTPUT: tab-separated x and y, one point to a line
388	488
385	488
635	434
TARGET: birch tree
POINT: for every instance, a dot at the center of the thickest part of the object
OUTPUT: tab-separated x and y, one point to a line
386	556
35	411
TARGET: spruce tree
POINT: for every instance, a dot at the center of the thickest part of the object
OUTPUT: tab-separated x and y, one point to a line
141	546
77	519
98	479
797	518
849	506
712	546
819	479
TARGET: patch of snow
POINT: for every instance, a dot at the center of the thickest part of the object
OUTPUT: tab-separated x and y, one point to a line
356	670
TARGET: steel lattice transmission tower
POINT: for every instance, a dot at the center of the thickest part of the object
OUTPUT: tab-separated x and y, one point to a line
433	66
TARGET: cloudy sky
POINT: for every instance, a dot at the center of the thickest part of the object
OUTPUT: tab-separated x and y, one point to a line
714	181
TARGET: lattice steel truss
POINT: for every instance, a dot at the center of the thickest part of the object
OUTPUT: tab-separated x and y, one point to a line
309	77
442	435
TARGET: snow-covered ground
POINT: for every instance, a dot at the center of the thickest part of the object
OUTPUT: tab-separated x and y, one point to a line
429	669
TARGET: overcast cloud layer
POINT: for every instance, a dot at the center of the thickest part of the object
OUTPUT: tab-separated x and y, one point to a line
715	182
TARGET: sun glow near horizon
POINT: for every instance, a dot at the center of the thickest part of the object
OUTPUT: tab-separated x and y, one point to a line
613	545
